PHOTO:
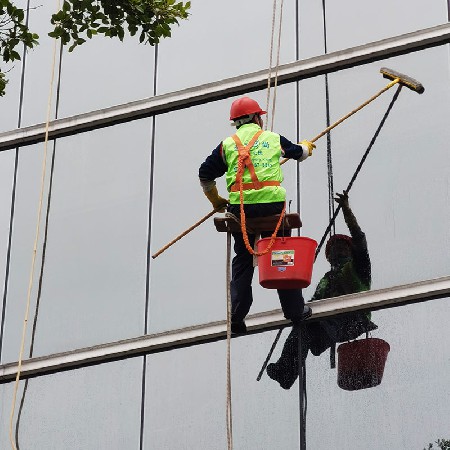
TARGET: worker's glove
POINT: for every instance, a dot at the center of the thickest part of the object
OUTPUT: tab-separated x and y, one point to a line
216	200
308	146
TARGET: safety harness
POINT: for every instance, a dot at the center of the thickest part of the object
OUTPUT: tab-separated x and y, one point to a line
245	161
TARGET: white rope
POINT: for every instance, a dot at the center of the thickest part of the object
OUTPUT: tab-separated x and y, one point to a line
228	280
269	76
277	66
36	240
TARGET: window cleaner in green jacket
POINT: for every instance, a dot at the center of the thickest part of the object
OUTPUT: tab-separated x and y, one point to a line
350	272
263	196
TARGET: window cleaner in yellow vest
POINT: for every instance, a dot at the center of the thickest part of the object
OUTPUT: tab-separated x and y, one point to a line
263	196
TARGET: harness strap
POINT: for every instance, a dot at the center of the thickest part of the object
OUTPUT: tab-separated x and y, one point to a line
247	186
244	156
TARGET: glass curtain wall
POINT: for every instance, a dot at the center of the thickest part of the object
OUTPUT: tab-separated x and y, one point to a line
113	190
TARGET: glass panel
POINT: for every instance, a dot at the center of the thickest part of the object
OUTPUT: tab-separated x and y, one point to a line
89	78
95	264
400	196
412	380
350	23
201	52
6	180
194	395
107	72
9	104
39	66
96	407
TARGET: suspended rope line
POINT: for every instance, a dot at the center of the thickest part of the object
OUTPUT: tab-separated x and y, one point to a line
33	259
358	169
329	157
44	252
269	75
327	109
301	389
269	78
148	260
13	191
228	287
297	111
277	67
303	404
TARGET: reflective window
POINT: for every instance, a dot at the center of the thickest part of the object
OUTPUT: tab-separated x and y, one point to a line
94	278
191	383
77	409
351	23
399	197
201	52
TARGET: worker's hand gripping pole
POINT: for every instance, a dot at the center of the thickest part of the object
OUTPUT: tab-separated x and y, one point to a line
395	77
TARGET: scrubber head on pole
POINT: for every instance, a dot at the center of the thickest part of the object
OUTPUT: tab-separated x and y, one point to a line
404	80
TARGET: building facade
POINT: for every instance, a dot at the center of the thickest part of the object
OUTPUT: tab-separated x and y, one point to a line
123	351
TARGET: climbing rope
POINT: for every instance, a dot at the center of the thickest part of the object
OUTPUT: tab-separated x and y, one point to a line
33	259
301	389
276	67
303	398
269	77
244	229
329	158
244	160
228	287
328	121
44	252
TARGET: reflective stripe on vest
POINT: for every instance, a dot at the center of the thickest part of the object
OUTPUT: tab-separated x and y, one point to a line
256	186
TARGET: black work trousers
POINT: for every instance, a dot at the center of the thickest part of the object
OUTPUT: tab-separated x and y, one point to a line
242	269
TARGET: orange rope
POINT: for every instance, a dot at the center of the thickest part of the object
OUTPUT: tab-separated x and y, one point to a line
239	177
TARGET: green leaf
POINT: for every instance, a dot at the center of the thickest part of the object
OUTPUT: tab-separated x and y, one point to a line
14	55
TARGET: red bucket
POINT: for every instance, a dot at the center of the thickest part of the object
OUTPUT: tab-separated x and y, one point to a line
361	363
288	264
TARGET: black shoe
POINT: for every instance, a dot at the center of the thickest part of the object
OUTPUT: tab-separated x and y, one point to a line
238	328
280	376
306	314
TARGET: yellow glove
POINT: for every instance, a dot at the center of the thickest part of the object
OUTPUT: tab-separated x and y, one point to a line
216	200
309	146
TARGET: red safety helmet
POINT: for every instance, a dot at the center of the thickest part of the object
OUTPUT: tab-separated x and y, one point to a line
333	239
245	106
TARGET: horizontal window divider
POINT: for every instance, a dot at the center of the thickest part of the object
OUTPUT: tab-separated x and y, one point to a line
218	90
216	331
